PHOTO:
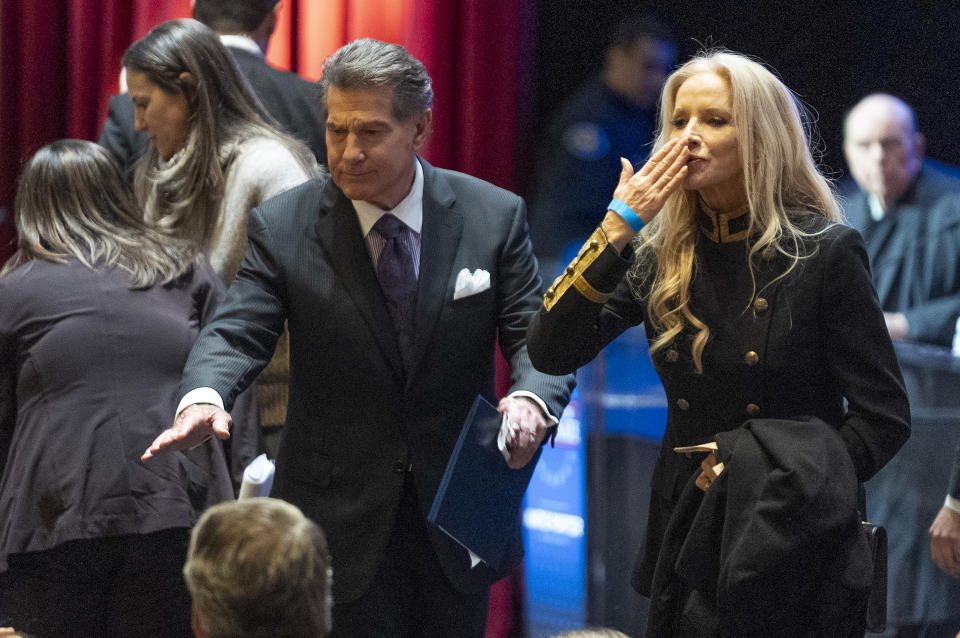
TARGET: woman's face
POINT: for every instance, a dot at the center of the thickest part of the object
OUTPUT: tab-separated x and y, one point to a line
703	110
164	116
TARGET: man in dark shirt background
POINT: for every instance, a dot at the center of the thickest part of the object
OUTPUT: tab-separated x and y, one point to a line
612	116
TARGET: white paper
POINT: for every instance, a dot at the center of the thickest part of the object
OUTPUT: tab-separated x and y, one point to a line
505	429
257	478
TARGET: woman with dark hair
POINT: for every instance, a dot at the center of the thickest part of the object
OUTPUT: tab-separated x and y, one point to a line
98	311
214	151
766	332
214	154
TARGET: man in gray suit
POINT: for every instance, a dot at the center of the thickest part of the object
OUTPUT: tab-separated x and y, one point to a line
908	210
397	280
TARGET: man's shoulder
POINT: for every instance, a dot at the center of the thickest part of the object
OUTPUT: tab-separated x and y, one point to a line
939	178
587	102
463	184
854	203
287	206
262	75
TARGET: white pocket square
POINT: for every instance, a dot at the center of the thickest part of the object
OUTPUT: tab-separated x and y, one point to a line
471	283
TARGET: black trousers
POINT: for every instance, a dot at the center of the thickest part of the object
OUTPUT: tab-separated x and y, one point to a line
410	597
114	587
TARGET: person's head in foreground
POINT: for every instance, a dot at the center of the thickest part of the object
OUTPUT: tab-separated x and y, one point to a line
258	567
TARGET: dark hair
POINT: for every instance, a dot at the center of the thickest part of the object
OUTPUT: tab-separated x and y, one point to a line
73	202
370	64
233	16
224	112
633	29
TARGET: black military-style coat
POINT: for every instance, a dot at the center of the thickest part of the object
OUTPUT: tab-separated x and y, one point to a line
779	347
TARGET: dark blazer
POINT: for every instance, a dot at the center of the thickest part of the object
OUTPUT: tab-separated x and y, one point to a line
813	343
292	101
356	419
914	252
88	378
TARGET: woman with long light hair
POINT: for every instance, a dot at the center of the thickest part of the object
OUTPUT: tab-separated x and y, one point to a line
762	323
98	312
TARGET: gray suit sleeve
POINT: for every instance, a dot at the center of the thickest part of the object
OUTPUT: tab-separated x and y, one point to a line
954	490
519	303
239	342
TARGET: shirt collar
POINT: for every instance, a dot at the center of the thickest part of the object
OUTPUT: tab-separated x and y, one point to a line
876	208
409	210
243	42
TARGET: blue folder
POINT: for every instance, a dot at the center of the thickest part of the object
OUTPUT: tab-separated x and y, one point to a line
479	498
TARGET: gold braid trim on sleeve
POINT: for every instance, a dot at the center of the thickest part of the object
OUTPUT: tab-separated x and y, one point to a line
573	274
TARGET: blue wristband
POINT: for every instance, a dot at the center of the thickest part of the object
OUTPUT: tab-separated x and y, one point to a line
621	208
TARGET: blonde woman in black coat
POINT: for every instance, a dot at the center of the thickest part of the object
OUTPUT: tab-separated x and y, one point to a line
756	301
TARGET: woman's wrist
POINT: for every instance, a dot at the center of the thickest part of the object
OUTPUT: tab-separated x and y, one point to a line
618	231
629	215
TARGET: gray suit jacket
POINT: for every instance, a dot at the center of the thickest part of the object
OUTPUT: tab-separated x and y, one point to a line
355	416
915	252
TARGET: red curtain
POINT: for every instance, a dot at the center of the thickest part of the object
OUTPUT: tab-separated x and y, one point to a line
60	63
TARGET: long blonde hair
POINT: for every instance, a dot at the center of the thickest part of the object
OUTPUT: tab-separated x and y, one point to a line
781	181
73	202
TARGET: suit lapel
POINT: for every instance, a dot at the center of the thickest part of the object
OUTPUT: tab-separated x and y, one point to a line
338	232
439	241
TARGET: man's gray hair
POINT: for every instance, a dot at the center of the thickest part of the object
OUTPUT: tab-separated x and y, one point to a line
371	64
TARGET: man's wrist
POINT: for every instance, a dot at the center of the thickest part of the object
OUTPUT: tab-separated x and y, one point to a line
199	395
952	503
552	420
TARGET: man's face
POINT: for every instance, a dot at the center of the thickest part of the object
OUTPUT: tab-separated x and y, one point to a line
649	63
883	151
369	151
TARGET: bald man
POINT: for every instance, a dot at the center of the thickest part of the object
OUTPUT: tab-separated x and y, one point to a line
908	210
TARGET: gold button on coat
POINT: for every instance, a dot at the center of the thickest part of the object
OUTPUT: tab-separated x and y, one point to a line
753	409
751	358
683	404
672	355
760	304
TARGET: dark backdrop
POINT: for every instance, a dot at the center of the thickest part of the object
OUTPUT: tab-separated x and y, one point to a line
830	53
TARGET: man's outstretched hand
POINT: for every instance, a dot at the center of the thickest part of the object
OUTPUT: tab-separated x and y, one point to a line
195	424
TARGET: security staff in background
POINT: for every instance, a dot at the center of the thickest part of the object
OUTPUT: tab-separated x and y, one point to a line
610	117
